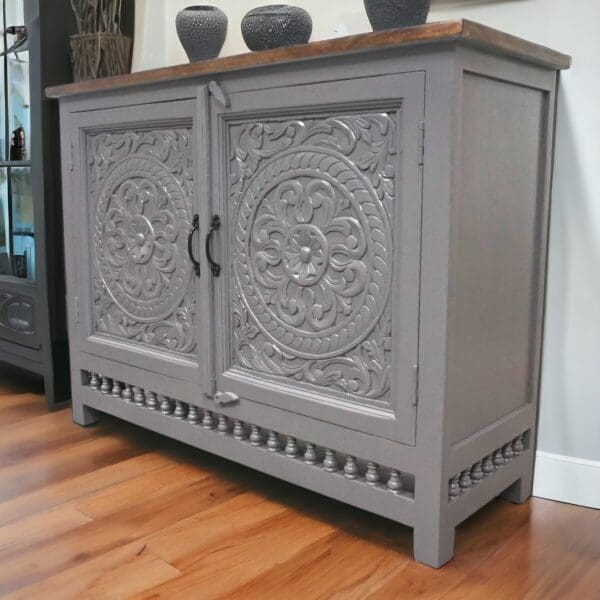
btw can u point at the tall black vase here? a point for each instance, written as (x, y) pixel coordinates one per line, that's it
(202, 31)
(388, 14)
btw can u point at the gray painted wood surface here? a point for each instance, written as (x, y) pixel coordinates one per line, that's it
(374, 333)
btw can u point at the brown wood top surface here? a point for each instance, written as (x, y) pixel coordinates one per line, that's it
(463, 30)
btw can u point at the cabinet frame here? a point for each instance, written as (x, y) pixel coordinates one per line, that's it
(403, 95)
(149, 117)
(442, 475)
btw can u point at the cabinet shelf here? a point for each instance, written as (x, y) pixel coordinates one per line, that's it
(13, 281)
(15, 163)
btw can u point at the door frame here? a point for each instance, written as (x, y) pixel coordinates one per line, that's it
(405, 93)
(191, 113)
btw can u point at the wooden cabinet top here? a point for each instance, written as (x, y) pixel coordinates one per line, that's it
(463, 31)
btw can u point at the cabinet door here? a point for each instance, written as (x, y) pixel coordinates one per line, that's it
(319, 195)
(138, 186)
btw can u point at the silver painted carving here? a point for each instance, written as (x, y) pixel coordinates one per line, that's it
(17, 312)
(141, 185)
(312, 240)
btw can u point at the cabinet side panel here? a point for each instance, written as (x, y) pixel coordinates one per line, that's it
(495, 266)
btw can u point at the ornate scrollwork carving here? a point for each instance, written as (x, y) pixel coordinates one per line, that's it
(312, 262)
(141, 184)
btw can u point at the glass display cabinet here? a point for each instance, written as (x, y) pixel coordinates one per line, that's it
(35, 54)
(17, 235)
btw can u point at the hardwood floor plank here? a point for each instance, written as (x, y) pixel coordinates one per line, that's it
(40, 527)
(478, 539)
(376, 540)
(80, 486)
(578, 556)
(584, 577)
(221, 566)
(10, 399)
(122, 573)
(62, 463)
(39, 434)
(181, 543)
(339, 566)
(127, 524)
(143, 489)
(523, 571)
(29, 406)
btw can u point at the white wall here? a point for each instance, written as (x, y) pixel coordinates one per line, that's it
(151, 35)
(570, 403)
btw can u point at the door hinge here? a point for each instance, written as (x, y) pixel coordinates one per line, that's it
(219, 94)
(72, 158)
(76, 307)
(421, 143)
(416, 385)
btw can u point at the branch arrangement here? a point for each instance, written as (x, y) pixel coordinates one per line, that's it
(98, 16)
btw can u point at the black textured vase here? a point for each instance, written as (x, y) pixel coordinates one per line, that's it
(202, 31)
(388, 14)
(276, 26)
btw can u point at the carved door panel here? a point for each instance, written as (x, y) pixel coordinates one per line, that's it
(320, 200)
(139, 297)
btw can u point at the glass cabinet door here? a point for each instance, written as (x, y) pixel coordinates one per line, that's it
(23, 236)
(17, 231)
(4, 142)
(5, 241)
(17, 81)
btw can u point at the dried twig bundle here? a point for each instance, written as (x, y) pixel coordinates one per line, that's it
(98, 16)
(99, 49)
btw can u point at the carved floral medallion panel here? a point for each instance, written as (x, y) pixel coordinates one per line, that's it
(141, 186)
(312, 250)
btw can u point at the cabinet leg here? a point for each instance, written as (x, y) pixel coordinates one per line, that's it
(84, 415)
(56, 390)
(519, 491)
(433, 546)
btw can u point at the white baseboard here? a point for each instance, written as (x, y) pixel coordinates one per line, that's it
(567, 479)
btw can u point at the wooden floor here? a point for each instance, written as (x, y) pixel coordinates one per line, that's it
(116, 512)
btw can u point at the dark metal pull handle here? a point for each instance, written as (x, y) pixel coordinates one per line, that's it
(193, 230)
(215, 224)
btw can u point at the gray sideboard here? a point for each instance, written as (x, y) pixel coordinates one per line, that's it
(326, 263)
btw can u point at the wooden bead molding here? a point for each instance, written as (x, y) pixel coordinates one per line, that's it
(461, 483)
(337, 463)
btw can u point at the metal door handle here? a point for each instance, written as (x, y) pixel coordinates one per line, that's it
(215, 224)
(226, 398)
(194, 229)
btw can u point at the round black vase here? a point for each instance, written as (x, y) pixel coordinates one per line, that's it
(388, 14)
(276, 26)
(202, 31)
